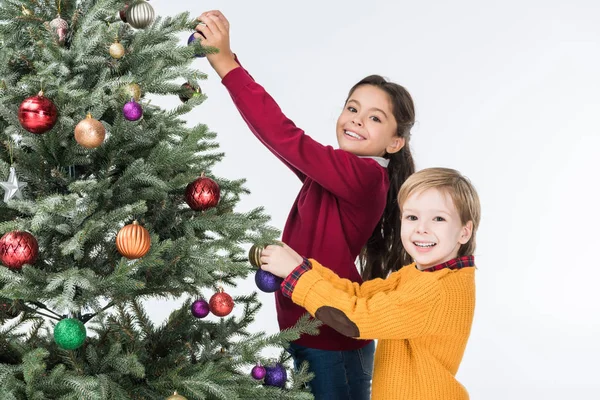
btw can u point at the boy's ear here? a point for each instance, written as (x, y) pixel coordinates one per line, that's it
(396, 145)
(466, 233)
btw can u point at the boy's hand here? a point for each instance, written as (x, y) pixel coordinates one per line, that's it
(280, 260)
(215, 29)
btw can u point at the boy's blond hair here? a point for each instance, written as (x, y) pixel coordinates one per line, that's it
(461, 191)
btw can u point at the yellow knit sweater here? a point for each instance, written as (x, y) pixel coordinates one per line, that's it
(422, 321)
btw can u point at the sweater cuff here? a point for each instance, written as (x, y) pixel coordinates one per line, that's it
(288, 285)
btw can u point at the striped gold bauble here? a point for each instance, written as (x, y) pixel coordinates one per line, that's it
(254, 255)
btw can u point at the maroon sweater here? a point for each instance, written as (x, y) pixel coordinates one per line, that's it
(341, 201)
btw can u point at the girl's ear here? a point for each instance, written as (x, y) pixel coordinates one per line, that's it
(466, 232)
(396, 145)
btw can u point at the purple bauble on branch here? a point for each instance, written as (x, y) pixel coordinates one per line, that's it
(191, 42)
(259, 372)
(276, 376)
(132, 111)
(267, 282)
(200, 308)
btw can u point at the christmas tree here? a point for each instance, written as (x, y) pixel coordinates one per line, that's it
(110, 201)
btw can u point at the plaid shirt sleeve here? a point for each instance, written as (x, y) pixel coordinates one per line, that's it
(289, 283)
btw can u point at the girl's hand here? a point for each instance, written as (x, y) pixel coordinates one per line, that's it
(215, 29)
(280, 260)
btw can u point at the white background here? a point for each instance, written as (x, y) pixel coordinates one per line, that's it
(506, 92)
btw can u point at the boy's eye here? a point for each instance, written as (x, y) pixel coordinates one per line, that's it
(376, 119)
(351, 109)
(439, 219)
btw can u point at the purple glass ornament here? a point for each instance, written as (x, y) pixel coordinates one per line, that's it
(276, 375)
(259, 372)
(191, 40)
(132, 111)
(267, 282)
(200, 308)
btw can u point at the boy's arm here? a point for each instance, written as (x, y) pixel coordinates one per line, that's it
(399, 314)
(365, 289)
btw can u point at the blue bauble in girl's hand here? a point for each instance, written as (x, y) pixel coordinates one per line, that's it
(267, 282)
(192, 41)
(276, 376)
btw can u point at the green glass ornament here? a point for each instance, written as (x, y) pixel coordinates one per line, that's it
(69, 333)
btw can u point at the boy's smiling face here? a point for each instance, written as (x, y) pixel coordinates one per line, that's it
(432, 231)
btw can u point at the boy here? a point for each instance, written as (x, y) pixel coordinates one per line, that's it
(421, 314)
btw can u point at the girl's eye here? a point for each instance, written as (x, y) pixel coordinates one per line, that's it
(351, 109)
(410, 218)
(376, 119)
(439, 219)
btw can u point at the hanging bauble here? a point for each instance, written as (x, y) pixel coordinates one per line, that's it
(60, 27)
(25, 11)
(276, 375)
(69, 333)
(18, 248)
(12, 187)
(133, 241)
(116, 50)
(202, 194)
(140, 14)
(176, 396)
(267, 282)
(9, 309)
(200, 308)
(192, 42)
(123, 13)
(37, 114)
(189, 91)
(259, 372)
(221, 304)
(254, 255)
(90, 132)
(132, 111)
(132, 91)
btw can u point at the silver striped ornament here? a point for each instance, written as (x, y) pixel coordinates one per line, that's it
(140, 14)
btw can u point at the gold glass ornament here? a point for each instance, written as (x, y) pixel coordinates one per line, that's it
(116, 50)
(90, 132)
(133, 91)
(176, 396)
(133, 241)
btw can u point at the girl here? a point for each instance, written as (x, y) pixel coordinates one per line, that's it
(347, 202)
(422, 314)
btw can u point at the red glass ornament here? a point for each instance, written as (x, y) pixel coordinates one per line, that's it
(37, 114)
(123, 13)
(202, 194)
(18, 248)
(221, 304)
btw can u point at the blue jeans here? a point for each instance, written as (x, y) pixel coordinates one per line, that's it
(339, 375)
